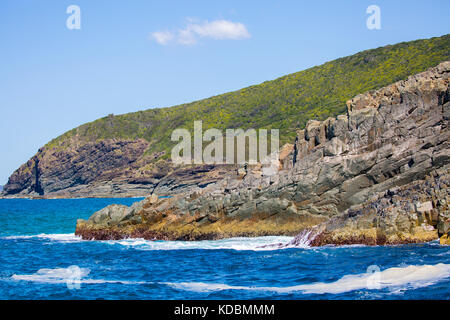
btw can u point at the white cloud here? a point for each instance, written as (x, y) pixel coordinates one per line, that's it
(220, 30)
(186, 36)
(217, 30)
(163, 37)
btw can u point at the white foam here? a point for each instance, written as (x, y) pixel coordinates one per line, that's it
(71, 274)
(253, 244)
(395, 279)
(61, 237)
(392, 278)
(57, 275)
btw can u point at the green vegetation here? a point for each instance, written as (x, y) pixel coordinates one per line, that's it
(286, 103)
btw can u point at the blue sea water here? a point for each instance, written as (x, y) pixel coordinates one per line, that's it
(40, 258)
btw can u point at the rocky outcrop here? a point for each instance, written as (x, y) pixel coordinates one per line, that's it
(112, 167)
(415, 212)
(51, 170)
(390, 138)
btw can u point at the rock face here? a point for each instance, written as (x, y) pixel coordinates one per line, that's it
(415, 212)
(52, 170)
(391, 141)
(107, 168)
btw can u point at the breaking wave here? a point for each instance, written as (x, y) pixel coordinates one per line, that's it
(251, 244)
(70, 275)
(392, 278)
(410, 277)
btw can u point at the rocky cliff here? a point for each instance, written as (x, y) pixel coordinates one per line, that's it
(381, 168)
(415, 212)
(128, 155)
(107, 168)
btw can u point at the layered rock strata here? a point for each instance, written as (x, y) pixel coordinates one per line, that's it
(108, 168)
(413, 213)
(390, 138)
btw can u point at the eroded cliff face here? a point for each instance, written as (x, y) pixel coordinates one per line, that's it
(415, 212)
(52, 170)
(388, 139)
(108, 168)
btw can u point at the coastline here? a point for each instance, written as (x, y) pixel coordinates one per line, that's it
(379, 174)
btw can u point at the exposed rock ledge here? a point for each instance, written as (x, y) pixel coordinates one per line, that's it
(408, 214)
(378, 175)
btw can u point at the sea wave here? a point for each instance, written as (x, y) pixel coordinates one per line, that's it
(394, 279)
(250, 244)
(240, 244)
(69, 275)
(412, 276)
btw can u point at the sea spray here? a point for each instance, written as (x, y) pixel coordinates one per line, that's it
(306, 237)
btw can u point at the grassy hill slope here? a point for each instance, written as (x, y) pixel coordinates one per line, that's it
(286, 103)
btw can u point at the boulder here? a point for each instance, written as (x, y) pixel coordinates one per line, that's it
(111, 215)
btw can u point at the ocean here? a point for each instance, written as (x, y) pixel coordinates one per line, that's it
(41, 258)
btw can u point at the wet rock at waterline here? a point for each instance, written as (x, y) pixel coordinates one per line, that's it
(377, 175)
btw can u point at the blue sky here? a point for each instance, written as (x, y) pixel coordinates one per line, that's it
(53, 79)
